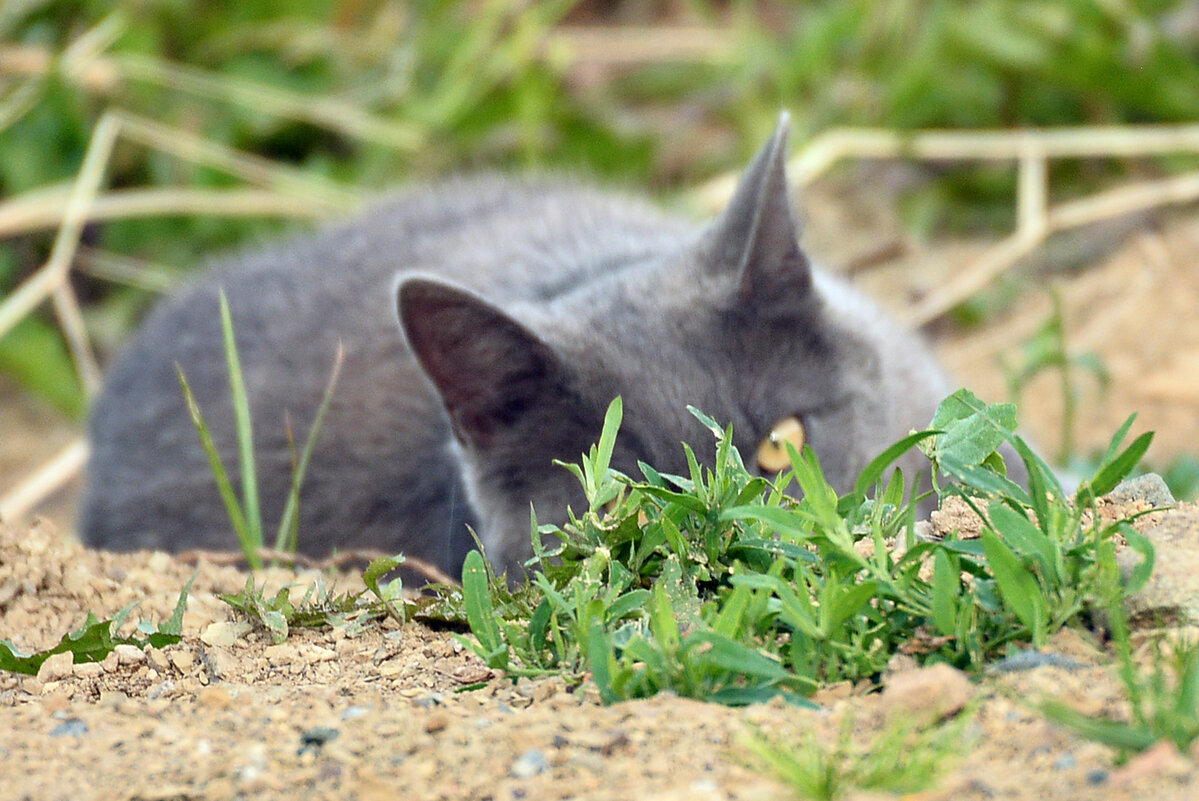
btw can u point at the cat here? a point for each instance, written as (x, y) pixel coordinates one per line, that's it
(524, 307)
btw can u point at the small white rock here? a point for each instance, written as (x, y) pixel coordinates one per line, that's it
(129, 654)
(56, 667)
(224, 633)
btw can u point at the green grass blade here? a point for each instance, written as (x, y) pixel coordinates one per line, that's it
(1019, 588)
(1115, 733)
(1114, 472)
(874, 471)
(245, 429)
(288, 524)
(224, 486)
(607, 441)
(946, 585)
(476, 593)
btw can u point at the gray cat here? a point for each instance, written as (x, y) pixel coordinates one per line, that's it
(524, 308)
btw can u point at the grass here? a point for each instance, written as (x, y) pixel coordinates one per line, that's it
(245, 517)
(720, 585)
(1163, 698)
(900, 759)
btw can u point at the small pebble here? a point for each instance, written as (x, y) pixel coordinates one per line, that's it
(71, 727)
(1031, 659)
(1096, 777)
(87, 669)
(429, 700)
(56, 667)
(1150, 488)
(129, 654)
(315, 739)
(529, 764)
(354, 712)
(224, 633)
(1066, 761)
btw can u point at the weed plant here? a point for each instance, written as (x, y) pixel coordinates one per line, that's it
(245, 516)
(901, 758)
(720, 585)
(1163, 699)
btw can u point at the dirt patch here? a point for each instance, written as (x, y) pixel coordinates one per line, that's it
(377, 713)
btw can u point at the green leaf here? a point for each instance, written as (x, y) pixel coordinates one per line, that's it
(1111, 474)
(600, 659)
(662, 620)
(289, 522)
(970, 429)
(727, 654)
(607, 441)
(476, 594)
(224, 485)
(946, 585)
(874, 471)
(173, 626)
(1022, 536)
(1017, 587)
(839, 601)
(375, 571)
(1142, 545)
(1115, 733)
(245, 429)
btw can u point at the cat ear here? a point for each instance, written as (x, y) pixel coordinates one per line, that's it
(487, 367)
(756, 237)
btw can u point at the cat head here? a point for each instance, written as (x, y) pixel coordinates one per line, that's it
(733, 321)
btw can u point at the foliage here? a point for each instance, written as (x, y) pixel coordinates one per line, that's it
(378, 92)
(719, 585)
(96, 639)
(318, 607)
(244, 513)
(900, 759)
(1164, 701)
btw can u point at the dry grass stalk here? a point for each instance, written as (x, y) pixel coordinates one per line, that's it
(1140, 196)
(122, 269)
(64, 466)
(79, 343)
(632, 46)
(43, 209)
(50, 280)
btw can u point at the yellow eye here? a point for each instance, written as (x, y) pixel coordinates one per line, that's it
(772, 452)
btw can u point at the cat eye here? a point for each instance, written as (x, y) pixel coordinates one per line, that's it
(772, 452)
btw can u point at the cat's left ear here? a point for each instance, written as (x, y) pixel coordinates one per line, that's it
(487, 367)
(757, 236)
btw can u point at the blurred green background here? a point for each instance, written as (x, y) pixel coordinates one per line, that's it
(658, 95)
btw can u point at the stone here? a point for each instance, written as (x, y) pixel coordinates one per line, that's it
(529, 764)
(129, 654)
(1150, 488)
(224, 633)
(925, 695)
(1171, 595)
(56, 667)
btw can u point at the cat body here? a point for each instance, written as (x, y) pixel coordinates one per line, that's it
(524, 307)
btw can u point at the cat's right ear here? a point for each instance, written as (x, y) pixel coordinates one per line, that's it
(756, 238)
(487, 368)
